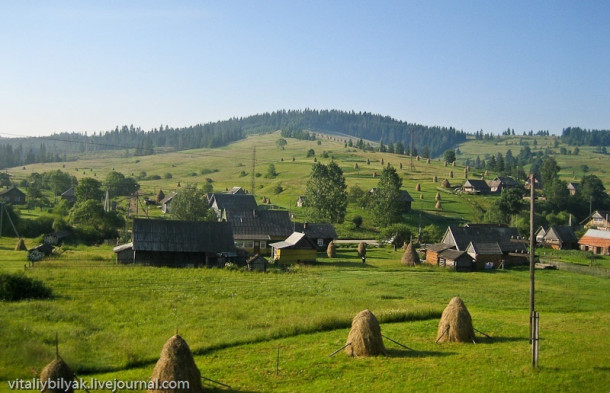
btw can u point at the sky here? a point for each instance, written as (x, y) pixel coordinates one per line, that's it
(87, 66)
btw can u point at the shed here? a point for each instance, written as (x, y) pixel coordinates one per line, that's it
(472, 186)
(257, 263)
(178, 243)
(301, 201)
(485, 253)
(561, 237)
(167, 202)
(296, 248)
(458, 260)
(433, 251)
(404, 197)
(573, 188)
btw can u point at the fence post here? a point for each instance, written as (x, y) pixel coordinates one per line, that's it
(536, 337)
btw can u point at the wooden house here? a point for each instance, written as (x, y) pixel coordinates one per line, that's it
(257, 263)
(573, 188)
(486, 238)
(472, 186)
(560, 237)
(226, 204)
(501, 183)
(178, 243)
(597, 220)
(540, 233)
(237, 190)
(596, 241)
(253, 230)
(433, 251)
(12, 195)
(459, 261)
(485, 254)
(297, 248)
(69, 195)
(166, 203)
(319, 234)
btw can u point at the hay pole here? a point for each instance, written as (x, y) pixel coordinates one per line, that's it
(337, 351)
(445, 332)
(477, 330)
(396, 342)
(211, 380)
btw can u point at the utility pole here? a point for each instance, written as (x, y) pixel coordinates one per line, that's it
(532, 252)
(411, 151)
(252, 177)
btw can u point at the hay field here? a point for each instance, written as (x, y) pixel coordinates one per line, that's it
(113, 321)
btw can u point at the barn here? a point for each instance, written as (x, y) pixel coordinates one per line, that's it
(178, 243)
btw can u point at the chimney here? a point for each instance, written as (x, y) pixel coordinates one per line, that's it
(305, 226)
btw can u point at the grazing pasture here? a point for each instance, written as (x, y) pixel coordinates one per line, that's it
(113, 320)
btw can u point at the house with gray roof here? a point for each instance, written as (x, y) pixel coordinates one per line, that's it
(178, 243)
(319, 234)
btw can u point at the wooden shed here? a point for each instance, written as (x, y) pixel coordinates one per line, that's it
(296, 248)
(459, 261)
(178, 243)
(433, 251)
(257, 263)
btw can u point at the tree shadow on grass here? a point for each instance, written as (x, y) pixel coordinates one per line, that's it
(497, 340)
(346, 264)
(404, 353)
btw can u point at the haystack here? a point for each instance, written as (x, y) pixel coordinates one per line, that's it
(362, 249)
(21, 245)
(456, 323)
(437, 197)
(177, 364)
(331, 250)
(418, 187)
(435, 179)
(438, 205)
(410, 257)
(451, 174)
(446, 184)
(55, 371)
(365, 336)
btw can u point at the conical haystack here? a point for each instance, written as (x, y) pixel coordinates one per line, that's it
(331, 250)
(410, 257)
(58, 372)
(365, 336)
(446, 184)
(456, 323)
(362, 249)
(437, 197)
(438, 205)
(177, 364)
(21, 245)
(418, 187)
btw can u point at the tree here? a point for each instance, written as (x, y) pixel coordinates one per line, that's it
(118, 184)
(311, 153)
(190, 204)
(89, 216)
(385, 201)
(281, 143)
(271, 172)
(357, 221)
(88, 188)
(549, 170)
(326, 196)
(400, 148)
(449, 156)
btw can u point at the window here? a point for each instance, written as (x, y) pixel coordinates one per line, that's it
(263, 244)
(320, 242)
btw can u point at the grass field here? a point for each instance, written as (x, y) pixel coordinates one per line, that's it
(113, 320)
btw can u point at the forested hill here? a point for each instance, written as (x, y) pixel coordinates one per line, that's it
(363, 125)
(576, 136)
(368, 126)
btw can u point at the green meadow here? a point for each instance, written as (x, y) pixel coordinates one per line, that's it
(112, 321)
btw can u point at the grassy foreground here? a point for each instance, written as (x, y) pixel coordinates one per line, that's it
(113, 320)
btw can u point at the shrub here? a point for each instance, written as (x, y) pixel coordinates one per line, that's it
(278, 189)
(168, 176)
(357, 221)
(15, 287)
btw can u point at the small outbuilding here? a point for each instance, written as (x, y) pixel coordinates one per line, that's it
(296, 248)
(596, 241)
(257, 263)
(12, 195)
(459, 261)
(320, 234)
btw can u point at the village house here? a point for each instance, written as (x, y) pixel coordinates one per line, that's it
(178, 243)
(495, 243)
(573, 188)
(224, 204)
(459, 261)
(560, 237)
(319, 234)
(301, 201)
(597, 220)
(502, 183)
(166, 203)
(297, 248)
(253, 230)
(476, 187)
(540, 233)
(12, 195)
(596, 241)
(69, 195)
(433, 251)
(237, 190)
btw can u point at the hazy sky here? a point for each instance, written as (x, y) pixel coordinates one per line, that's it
(91, 65)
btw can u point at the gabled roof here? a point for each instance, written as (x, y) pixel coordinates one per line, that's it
(182, 236)
(563, 233)
(596, 214)
(296, 240)
(476, 184)
(168, 198)
(453, 254)
(11, 189)
(506, 237)
(596, 237)
(237, 190)
(573, 186)
(233, 202)
(316, 231)
(439, 247)
(260, 224)
(491, 248)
